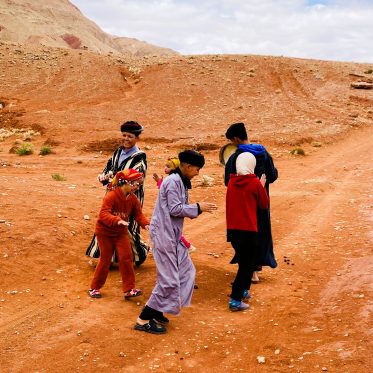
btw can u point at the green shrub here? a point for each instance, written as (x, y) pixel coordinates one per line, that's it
(25, 149)
(58, 177)
(298, 151)
(45, 150)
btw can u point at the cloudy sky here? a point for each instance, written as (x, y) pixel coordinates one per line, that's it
(326, 29)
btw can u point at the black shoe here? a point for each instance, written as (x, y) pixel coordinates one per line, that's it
(161, 319)
(151, 327)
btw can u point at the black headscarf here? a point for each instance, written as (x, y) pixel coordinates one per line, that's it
(192, 157)
(132, 127)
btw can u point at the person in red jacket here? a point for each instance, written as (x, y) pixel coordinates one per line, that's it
(112, 233)
(245, 193)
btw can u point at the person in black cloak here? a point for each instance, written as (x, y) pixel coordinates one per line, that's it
(237, 134)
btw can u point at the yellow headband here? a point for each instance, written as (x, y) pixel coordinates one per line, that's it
(173, 163)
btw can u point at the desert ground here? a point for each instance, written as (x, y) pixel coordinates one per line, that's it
(313, 313)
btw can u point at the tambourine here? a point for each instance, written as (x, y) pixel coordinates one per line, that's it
(225, 152)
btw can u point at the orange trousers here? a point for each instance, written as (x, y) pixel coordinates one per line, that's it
(107, 245)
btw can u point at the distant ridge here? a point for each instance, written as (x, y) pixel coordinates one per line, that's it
(59, 23)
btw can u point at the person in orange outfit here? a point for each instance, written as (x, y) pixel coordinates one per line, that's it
(112, 233)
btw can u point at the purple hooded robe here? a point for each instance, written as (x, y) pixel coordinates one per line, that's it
(175, 270)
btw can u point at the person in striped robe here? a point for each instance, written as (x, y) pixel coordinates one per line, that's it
(126, 156)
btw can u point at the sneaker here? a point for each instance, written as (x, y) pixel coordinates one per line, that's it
(94, 293)
(132, 293)
(246, 294)
(161, 319)
(150, 327)
(237, 305)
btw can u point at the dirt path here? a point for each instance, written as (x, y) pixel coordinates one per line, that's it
(311, 315)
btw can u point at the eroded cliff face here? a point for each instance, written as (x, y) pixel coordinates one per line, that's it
(188, 100)
(59, 23)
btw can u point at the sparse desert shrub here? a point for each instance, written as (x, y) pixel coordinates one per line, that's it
(25, 149)
(45, 150)
(298, 151)
(370, 71)
(79, 161)
(58, 177)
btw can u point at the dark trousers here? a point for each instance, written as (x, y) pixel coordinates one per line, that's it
(149, 313)
(245, 245)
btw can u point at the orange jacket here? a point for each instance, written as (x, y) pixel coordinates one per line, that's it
(116, 206)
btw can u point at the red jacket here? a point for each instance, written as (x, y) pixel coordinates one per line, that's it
(245, 194)
(116, 206)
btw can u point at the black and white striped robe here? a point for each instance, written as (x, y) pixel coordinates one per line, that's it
(140, 249)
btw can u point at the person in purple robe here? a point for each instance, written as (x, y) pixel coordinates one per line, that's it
(175, 269)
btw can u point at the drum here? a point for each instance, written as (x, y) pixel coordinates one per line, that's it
(225, 152)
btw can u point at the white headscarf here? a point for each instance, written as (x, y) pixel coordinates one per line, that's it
(245, 163)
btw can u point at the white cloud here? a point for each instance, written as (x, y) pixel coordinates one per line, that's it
(329, 30)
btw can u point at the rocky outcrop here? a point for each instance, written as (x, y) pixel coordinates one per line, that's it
(362, 85)
(59, 23)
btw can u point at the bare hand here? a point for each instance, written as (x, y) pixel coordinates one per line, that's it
(263, 179)
(147, 227)
(122, 222)
(156, 177)
(104, 177)
(207, 206)
(101, 178)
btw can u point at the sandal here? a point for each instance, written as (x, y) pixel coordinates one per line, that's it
(132, 293)
(150, 327)
(94, 293)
